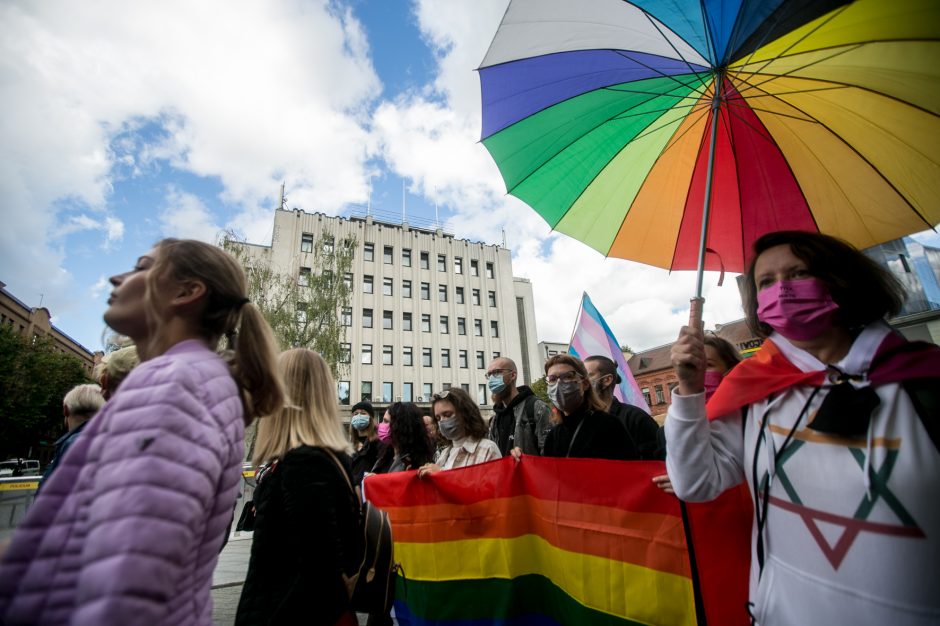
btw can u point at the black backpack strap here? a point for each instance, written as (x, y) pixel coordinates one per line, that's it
(925, 397)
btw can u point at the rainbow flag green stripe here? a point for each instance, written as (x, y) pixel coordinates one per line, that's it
(494, 601)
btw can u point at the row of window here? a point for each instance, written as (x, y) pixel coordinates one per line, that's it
(660, 396)
(407, 392)
(388, 256)
(388, 289)
(407, 356)
(388, 323)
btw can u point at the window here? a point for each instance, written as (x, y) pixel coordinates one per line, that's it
(659, 394)
(495, 355)
(387, 253)
(481, 394)
(301, 315)
(425, 322)
(348, 280)
(366, 284)
(461, 326)
(406, 289)
(388, 390)
(406, 321)
(426, 357)
(480, 364)
(366, 354)
(458, 295)
(462, 359)
(445, 357)
(490, 296)
(475, 297)
(442, 293)
(387, 320)
(387, 355)
(474, 267)
(425, 291)
(328, 242)
(407, 392)
(345, 352)
(368, 251)
(387, 289)
(367, 318)
(328, 278)
(445, 325)
(425, 261)
(406, 257)
(346, 316)
(458, 265)
(407, 357)
(442, 263)
(306, 242)
(365, 390)
(342, 391)
(494, 329)
(465, 387)
(477, 328)
(303, 279)
(489, 270)
(427, 390)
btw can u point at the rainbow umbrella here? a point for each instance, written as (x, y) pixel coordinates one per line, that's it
(657, 130)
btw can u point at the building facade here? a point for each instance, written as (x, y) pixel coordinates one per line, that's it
(427, 312)
(36, 322)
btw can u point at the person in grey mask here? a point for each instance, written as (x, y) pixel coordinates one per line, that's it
(460, 422)
(586, 430)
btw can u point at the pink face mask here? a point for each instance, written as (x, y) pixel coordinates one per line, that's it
(797, 309)
(712, 380)
(385, 432)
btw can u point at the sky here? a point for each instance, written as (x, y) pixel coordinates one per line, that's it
(127, 122)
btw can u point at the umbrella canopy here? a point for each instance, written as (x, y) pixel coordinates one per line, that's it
(602, 115)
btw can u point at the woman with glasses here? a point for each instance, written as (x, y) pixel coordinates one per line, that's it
(403, 428)
(585, 429)
(459, 421)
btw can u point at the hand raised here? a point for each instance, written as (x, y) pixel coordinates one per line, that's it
(688, 359)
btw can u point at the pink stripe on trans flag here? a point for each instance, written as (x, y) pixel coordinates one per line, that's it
(593, 337)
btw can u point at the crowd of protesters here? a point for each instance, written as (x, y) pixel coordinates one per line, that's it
(128, 527)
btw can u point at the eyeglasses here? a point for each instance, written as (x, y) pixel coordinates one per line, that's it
(565, 377)
(498, 372)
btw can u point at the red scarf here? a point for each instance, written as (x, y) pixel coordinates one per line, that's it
(769, 371)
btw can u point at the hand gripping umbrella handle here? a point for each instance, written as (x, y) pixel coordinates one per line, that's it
(695, 312)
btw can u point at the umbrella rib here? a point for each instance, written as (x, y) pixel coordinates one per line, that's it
(625, 54)
(859, 154)
(770, 77)
(653, 93)
(666, 39)
(569, 144)
(834, 15)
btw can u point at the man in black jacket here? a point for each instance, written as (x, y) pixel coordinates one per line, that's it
(521, 420)
(642, 428)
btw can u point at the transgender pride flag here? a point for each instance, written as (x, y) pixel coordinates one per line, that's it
(593, 337)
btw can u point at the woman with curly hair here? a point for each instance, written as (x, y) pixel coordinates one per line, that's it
(460, 422)
(403, 428)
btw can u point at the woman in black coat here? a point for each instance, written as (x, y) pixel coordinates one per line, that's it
(363, 431)
(306, 538)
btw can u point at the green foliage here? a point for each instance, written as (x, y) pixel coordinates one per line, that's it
(626, 348)
(303, 309)
(540, 388)
(34, 377)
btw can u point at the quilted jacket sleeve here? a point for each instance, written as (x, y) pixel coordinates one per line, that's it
(158, 475)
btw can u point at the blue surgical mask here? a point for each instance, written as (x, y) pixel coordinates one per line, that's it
(496, 384)
(360, 421)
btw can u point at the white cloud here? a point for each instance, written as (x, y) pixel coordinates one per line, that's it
(186, 217)
(246, 92)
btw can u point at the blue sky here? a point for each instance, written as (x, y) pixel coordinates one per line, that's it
(128, 122)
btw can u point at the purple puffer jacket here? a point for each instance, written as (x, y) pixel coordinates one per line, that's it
(129, 527)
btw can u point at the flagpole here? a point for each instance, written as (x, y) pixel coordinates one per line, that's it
(695, 313)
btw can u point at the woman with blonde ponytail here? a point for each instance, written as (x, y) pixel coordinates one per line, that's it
(129, 527)
(307, 531)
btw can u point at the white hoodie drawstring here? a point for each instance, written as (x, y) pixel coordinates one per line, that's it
(868, 453)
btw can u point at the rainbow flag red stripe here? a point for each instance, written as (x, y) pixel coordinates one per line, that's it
(541, 541)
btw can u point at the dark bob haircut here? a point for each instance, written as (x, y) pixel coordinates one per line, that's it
(864, 291)
(466, 411)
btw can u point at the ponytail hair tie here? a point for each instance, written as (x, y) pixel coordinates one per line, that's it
(241, 303)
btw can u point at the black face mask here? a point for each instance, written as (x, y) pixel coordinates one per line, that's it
(846, 411)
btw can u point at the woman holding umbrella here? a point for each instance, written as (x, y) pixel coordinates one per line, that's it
(831, 425)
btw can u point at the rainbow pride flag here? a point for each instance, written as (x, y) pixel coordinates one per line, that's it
(547, 541)
(593, 337)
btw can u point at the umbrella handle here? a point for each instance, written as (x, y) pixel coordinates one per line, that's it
(695, 312)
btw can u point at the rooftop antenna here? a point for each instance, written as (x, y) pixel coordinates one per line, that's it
(41, 296)
(437, 220)
(504, 237)
(369, 206)
(403, 220)
(282, 200)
